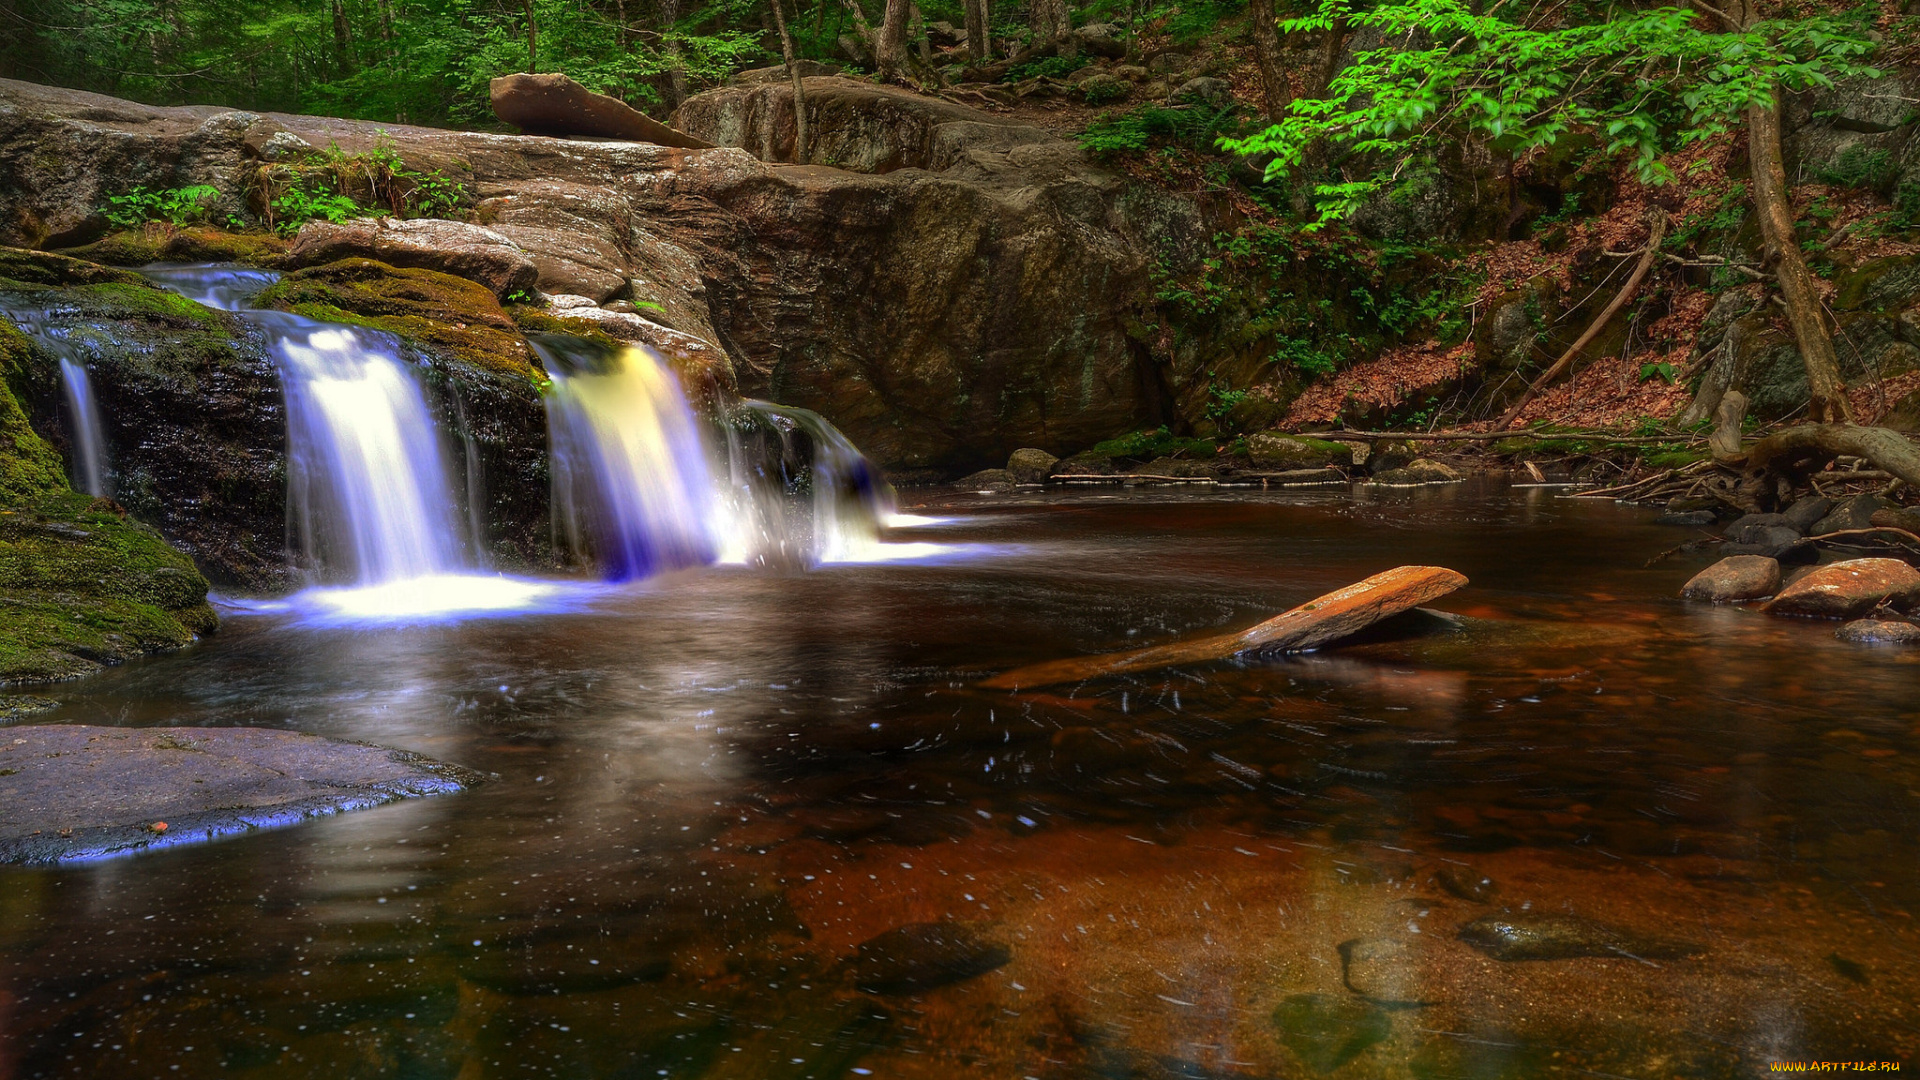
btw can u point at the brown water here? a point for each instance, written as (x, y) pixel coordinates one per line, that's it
(714, 787)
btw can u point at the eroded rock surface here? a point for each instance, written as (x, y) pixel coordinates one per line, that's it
(941, 319)
(75, 792)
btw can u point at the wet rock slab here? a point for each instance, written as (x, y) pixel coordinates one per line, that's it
(75, 793)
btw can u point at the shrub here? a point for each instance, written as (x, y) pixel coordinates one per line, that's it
(176, 206)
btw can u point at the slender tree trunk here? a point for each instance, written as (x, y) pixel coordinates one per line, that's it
(799, 84)
(917, 30)
(1276, 93)
(620, 19)
(890, 51)
(1331, 48)
(676, 71)
(342, 40)
(979, 48)
(1774, 205)
(533, 41)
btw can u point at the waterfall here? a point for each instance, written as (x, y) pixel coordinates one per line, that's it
(83, 411)
(223, 288)
(631, 481)
(89, 444)
(776, 453)
(368, 487)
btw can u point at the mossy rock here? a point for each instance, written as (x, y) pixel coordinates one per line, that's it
(424, 306)
(44, 269)
(29, 468)
(1273, 451)
(164, 243)
(532, 320)
(85, 585)
(1878, 284)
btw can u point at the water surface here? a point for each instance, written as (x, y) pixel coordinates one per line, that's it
(714, 785)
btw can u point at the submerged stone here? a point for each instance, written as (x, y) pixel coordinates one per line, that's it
(1465, 883)
(76, 792)
(922, 956)
(1327, 1032)
(1879, 632)
(1533, 936)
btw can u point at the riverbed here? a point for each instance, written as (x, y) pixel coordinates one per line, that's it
(713, 786)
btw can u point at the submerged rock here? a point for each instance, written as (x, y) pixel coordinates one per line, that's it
(1848, 590)
(986, 480)
(1466, 884)
(921, 956)
(1327, 1032)
(1879, 632)
(75, 792)
(1738, 577)
(1530, 936)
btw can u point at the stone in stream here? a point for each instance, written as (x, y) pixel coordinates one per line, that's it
(1530, 936)
(1030, 466)
(1849, 514)
(922, 956)
(1272, 451)
(1327, 1032)
(1897, 517)
(986, 480)
(1419, 471)
(1879, 632)
(1465, 883)
(1329, 618)
(76, 792)
(1738, 577)
(1685, 517)
(1805, 513)
(1848, 590)
(553, 104)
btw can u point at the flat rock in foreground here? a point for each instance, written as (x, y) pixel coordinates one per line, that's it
(74, 793)
(1327, 619)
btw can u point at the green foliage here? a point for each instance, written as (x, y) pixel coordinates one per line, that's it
(1052, 67)
(1221, 401)
(1191, 127)
(1861, 167)
(1649, 372)
(1147, 445)
(1722, 220)
(1646, 81)
(176, 206)
(337, 186)
(1103, 91)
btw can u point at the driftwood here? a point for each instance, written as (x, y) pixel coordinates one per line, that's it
(1799, 452)
(1334, 616)
(1657, 232)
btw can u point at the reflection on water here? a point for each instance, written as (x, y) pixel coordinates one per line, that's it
(713, 788)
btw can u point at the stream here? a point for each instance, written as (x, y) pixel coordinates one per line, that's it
(713, 785)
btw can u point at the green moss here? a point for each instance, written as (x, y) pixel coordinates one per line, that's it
(164, 243)
(534, 321)
(47, 270)
(423, 306)
(29, 468)
(86, 585)
(1155, 444)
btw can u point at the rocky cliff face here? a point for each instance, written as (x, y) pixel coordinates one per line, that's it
(941, 318)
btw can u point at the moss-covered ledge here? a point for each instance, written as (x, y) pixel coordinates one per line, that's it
(81, 584)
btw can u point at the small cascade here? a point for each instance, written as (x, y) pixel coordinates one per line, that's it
(223, 288)
(368, 487)
(777, 453)
(90, 473)
(89, 443)
(631, 482)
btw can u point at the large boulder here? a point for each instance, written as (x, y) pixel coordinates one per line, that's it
(1740, 577)
(450, 247)
(553, 104)
(941, 321)
(1848, 590)
(1030, 466)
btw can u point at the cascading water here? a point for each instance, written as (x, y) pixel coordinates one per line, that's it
(367, 482)
(223, 288)
(630, 477)
(805, 455)
(83, 410)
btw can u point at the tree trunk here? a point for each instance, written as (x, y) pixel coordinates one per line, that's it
(890, 50)
(1773, 203)
(533, 41)
(1331, 49)
(979, 47)
(1276, 93)
(342, 40)
(799, 87)
(1799, 452)
(918, 31)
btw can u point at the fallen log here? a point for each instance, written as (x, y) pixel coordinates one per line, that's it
(1798, 453)
(1329, 618)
